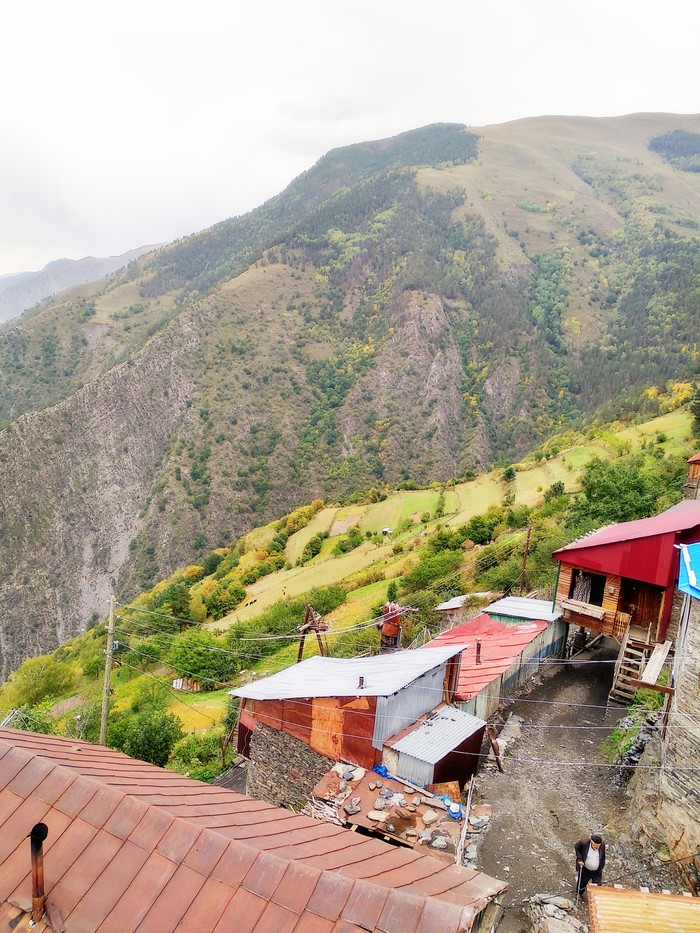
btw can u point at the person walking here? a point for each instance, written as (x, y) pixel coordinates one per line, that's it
(590, 861)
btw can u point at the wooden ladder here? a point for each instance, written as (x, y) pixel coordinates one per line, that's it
(631, 661)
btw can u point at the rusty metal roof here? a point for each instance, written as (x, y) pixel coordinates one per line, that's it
(134, 846)
(383, 675)
(612, 910)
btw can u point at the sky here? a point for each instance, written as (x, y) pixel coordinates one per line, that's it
(136, 122)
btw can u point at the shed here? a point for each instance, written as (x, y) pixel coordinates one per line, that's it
(444, 745)
(499, 656)
(626, 573)
(346, 708)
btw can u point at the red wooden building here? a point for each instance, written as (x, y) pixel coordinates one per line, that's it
(625, 575)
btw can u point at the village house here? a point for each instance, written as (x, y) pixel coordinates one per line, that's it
(621, 581)
(122, 845)
(626, 574)
(297, 723)
(506, 644)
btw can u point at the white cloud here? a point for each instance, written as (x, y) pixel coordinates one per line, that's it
(133, 122)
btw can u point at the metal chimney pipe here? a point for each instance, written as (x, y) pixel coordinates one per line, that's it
(361, 684)
(478, 651)
(39, 832)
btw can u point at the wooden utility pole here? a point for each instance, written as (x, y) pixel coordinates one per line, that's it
(108, 672)
(527, 548)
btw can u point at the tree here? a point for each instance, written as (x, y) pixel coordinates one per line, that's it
(149, 736)
(695, 411)
(200, 656)
(616, 491)
(38, 679)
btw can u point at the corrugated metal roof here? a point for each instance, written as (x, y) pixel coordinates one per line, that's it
(500, 645)
(680, 517)
(458, 601)
(455, 603)
(134, 846)
(614, 911)
(440, 733)
(383, 675)
(519, 607)
(694, 459)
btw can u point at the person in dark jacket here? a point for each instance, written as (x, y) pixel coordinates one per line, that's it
(590, 861)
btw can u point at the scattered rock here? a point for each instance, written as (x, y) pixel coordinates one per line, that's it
(378, 816)
(386, 792)
(470, 852)
(379, 784)
(343, 785)
(430, 816)
(439, 843)
(372, 785)
(416, 801)
(349, 774)
(407, 790)
(351, 810)
(390, 828)
(425, 839)
(380, 803)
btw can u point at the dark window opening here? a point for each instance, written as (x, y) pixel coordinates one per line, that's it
(587, 587)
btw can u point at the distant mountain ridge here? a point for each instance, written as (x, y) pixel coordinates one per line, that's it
(407, 310)
(22, 290)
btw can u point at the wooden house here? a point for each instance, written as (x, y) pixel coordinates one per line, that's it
(625, 575)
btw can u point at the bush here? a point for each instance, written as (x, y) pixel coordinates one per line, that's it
(148, 736)
(198, 756)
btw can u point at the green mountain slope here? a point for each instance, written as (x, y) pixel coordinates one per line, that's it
(407, 310)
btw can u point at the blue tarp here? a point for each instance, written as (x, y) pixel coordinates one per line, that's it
(689, 576)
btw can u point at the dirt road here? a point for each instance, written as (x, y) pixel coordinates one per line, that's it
(554, 791)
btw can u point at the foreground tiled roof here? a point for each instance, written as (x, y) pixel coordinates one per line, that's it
(135, 847)
(500, 646)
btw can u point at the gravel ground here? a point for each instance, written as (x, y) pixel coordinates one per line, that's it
(542, 806)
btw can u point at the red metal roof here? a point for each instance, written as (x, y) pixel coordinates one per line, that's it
(132, 846)
(695, 458)
(500, 645)
(640, 550)
(681, 517)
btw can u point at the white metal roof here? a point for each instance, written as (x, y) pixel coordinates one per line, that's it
(520, 607)
(455, 603)
(383, 675)
(443, 731)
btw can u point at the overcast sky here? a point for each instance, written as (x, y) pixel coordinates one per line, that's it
(138, 121)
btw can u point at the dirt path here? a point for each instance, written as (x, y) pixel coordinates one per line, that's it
(541, 807)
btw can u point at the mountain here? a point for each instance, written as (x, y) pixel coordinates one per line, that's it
(411, 309)
(23, 290)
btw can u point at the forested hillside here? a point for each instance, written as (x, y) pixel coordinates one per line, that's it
(408, 310)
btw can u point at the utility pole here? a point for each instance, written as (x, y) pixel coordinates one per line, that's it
(108, 672)
(527, 548)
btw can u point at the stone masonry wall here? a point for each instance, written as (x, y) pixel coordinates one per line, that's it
(282, 769)
(671, 813)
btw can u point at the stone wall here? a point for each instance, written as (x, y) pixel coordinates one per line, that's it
(669, 809)
(283, 770)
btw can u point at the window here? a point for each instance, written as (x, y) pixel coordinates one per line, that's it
(587, 587)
